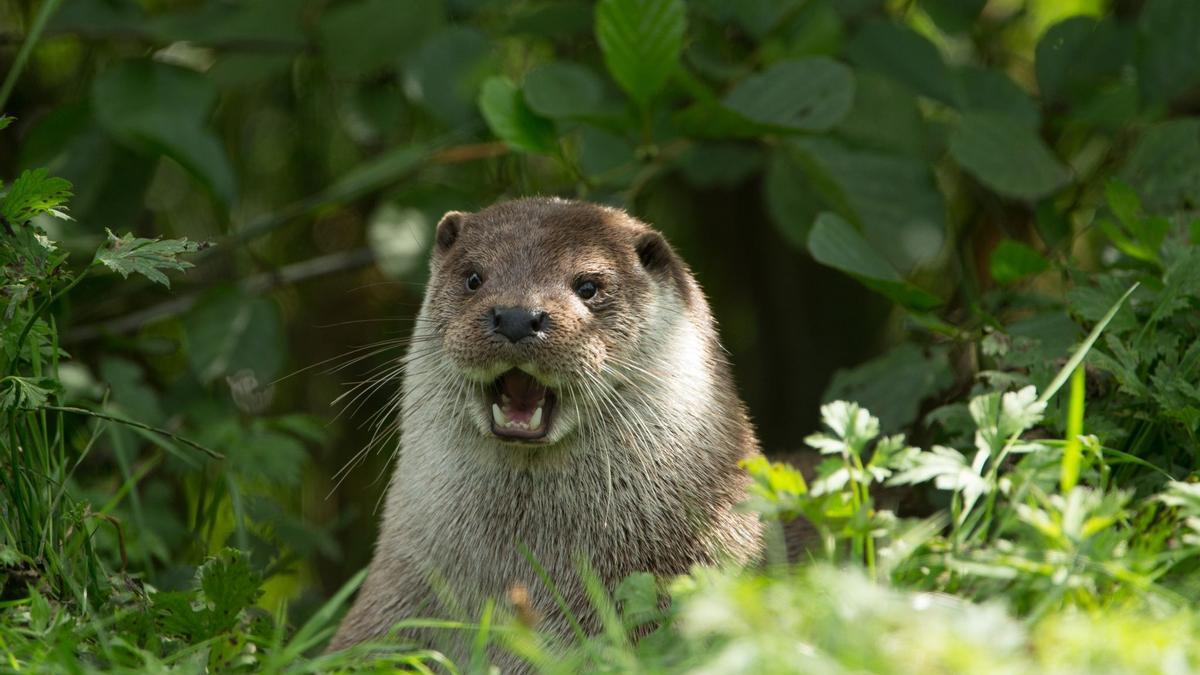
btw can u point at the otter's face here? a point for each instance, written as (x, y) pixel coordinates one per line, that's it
(538, 303)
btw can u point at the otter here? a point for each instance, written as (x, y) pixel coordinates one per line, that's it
(565, 400)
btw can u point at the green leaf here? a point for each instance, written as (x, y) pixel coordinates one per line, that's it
(1081, 352)
(836, 243)
(228, 332)
(229, 585)
(1169, 54)
(885, 116)
(893, 199)
(1076, 56)
(1012, 261)
(905, 56)
(1007, 156)
(362, 38)
(511, 119)
(810, 94)
(1164, 166)
(793, 202)
(638, 598)
(129, 254)
(892, 386)
(6, 120)
(34, 192)
(162, 109)
(1146, 234)
(563, 90)
(986, 90)
(446, 72)
(27, 393)
(641, 41)
(953, 16)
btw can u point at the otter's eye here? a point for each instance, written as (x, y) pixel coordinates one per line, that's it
(586, 289)
(474, 281)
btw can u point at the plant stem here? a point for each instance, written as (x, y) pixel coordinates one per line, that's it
(35, 31)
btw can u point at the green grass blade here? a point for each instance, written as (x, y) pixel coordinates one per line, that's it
(1081, 353)
(1073, 452)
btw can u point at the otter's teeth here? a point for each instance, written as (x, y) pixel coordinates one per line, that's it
(535, 422)
(497, 416)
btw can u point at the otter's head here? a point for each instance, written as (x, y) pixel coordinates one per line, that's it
(541, 304)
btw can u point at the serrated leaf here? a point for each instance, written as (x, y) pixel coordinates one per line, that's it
(836, 243)
(812, 94)
(129, 255)
(1164, 166)
(229, 585)
(1012, 261)
(892, 386)
(638, 598)
(26, 393)
(562, 90)
(905, 56)
(642, 41)
(512, 121)
(1007, 156)
(33, 193)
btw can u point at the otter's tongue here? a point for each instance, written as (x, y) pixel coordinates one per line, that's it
(521, 395)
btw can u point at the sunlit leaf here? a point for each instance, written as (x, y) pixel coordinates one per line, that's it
(642, 41)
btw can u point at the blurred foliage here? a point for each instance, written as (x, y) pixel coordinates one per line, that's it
(912, 204)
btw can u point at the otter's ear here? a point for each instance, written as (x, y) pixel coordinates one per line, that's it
(448, 229)
(654, 252)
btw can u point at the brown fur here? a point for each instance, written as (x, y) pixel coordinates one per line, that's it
(639, 469)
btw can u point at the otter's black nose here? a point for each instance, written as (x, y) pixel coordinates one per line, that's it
(515, 323)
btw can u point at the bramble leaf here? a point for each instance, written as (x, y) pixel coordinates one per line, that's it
(33, 193)
(129, 254)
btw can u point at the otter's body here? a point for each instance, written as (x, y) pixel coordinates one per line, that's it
(564, 396)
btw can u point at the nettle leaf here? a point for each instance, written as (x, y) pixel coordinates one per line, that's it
(129, 254)
(1012, 261)
(812, 94)
(835, 242)
(642, 41)
(27, 393)
(563, 90)
(511, 119)
(33, 193)
(1007, 156)
(229, 585)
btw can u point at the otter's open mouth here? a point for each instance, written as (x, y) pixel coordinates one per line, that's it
(522, 407)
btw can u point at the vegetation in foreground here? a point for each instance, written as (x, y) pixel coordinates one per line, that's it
(1046, 371)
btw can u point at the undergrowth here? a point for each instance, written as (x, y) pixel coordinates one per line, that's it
(1051, 516)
